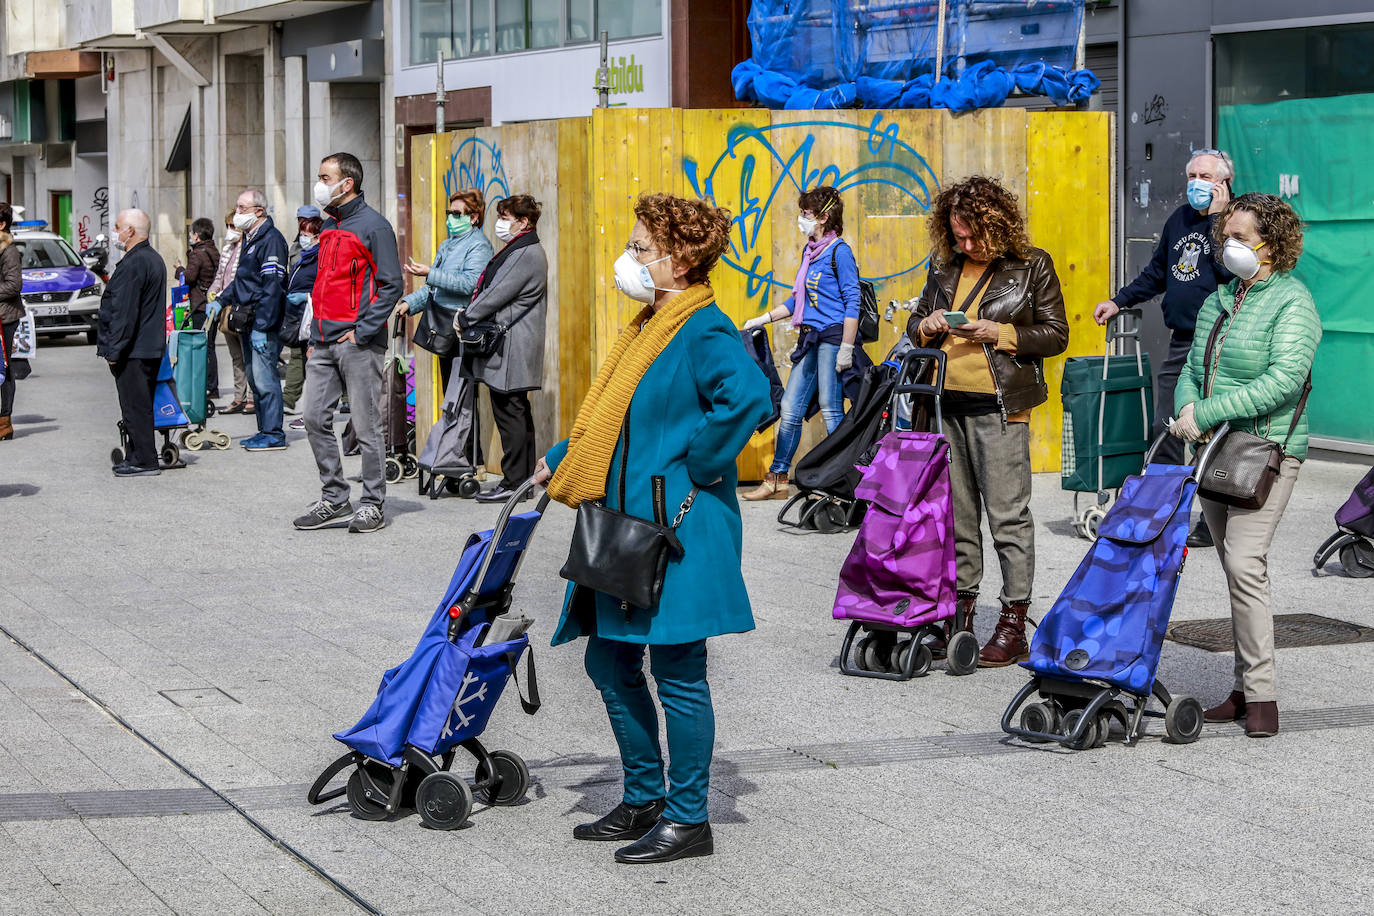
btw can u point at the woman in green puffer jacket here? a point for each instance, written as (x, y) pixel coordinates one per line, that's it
(1267, 330)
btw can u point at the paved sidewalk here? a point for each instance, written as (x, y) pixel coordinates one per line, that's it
(829, 794)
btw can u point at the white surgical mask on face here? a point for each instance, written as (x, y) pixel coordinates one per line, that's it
(503, 229)
(807, 225)
(633, 278)
(119, 241)
(325, 194)
(1240, 259)
(242, 221)
(232, 235)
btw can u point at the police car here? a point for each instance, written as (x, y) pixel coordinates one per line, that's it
(60, 292)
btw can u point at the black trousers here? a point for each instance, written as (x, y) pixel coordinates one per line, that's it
(211, 363)
(515, 423)
(1171, 451)
(7, 387)
(135, 381)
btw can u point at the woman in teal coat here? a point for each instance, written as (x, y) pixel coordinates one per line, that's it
(688, 396)
(1263, 331)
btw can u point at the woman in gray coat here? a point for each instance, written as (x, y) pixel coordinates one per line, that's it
(513, 294)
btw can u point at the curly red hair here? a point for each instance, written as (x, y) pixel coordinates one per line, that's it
(991, 212)
(695, 233)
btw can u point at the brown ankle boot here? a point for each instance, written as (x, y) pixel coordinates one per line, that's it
(1008, 643)
(1230, 709)
(774, 486)
(962, 620)
(1261, 720)
(6, 429)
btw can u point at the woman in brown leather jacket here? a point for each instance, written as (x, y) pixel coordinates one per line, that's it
(982, 264)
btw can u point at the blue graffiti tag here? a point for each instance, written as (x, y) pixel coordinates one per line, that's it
(477, 164)
(890, 162)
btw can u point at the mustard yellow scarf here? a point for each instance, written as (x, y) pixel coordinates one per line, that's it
(584, 470)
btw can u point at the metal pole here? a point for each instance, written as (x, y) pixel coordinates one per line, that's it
(440, 96)
(940, 39)
(603, 75)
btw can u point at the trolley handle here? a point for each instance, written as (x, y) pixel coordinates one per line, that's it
(915, 364)
(498, 530)
(1203, 454)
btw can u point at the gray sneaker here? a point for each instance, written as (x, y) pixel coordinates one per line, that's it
(324, 514)
(369, 517)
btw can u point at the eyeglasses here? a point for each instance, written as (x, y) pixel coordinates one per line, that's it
(637, 251)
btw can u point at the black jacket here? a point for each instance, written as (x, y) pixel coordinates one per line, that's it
(133, 308)
(1023, 292)
(260, 281)
(1186, 268)
(201, 263)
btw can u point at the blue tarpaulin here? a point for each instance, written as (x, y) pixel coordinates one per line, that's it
(819, 54)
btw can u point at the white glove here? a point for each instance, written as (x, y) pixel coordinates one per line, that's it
(1185, 427)
(845, 358)
(760, 321)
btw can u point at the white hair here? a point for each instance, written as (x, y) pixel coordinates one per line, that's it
(1225, 171)
(136, 220)
(256, 196)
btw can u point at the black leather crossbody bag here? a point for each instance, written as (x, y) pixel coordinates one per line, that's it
(1243, 470)
(620, 554)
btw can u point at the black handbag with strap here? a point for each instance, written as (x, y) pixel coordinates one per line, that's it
(620, 554)
(1245, 466)
(435, 331)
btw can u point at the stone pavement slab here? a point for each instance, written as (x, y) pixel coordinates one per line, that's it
(829, 793)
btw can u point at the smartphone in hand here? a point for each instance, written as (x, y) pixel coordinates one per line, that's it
(954, 319)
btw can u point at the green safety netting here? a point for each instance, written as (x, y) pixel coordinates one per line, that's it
(1315, 153)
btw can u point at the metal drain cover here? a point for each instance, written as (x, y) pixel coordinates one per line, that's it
(1291, 631)
(198, 696)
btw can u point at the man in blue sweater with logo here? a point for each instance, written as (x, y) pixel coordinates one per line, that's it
(256, 300)
(1186, 268)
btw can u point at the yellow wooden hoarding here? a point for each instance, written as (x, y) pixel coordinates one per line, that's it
(889, 165)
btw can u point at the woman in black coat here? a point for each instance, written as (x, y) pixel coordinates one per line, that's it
(11, 312)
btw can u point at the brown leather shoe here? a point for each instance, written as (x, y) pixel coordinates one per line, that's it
(962, 620)
(1008, 644)
(1230, 709)
(1261, 720)
(774, 486)
(6, 429)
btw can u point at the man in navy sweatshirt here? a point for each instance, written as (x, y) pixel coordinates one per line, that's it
(1186, 268)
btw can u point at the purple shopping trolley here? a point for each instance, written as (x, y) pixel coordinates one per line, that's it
(897, 586)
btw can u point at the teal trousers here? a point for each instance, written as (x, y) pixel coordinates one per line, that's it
(617, 670)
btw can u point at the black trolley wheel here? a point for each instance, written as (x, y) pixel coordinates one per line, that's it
(367, 795)
(116, 456)
(169, 456)
(962, 653)
(1038, 717)
(1089, 737)
(443, 800)
(469, 487)
(395, 471)
(1357, 559)
(512, 779)
(1183, 720)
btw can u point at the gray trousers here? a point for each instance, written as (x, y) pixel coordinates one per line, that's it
(990, 471)
(1171, 450)
(333, 369)
(1243, 537)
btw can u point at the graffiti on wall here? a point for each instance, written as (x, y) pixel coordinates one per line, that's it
(777, 162)
(100, 206)
(477, 164)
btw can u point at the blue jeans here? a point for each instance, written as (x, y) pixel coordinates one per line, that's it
(816, 366)
(617, 670)
(265, 381)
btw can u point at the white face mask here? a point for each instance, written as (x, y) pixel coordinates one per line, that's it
(307, 241)
(807, 225)
(232, 235)
(243, 221)
(1240, 259)
(118, 242)
(503, 229)
(633, 278)
(324, 194)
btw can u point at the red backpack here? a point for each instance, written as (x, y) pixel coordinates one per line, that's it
(346, 270)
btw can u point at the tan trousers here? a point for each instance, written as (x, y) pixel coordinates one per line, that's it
(1243, 537)
(235, 345)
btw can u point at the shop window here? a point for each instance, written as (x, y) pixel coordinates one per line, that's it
(629, 18)
(1257, 67)
(582, 20)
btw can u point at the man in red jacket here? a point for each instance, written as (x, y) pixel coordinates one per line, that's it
(357, 285)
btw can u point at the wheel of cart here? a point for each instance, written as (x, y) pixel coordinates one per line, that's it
(1108, 412)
